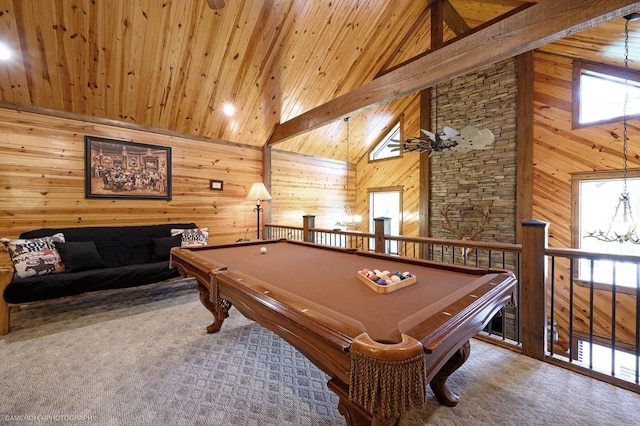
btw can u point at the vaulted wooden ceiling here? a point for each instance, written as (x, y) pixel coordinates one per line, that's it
(173, 64)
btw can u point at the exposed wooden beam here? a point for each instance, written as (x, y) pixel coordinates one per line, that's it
(453, 19)
(536, 26)
(524, 142)
(437, 40)
(439, 11)
(458, 37)
(425, 166)
(437, 25)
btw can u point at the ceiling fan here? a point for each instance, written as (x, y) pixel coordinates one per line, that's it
(215, 4)
(465, 140)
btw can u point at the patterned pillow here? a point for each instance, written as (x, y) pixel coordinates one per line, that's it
(35, 257)
(192, 237)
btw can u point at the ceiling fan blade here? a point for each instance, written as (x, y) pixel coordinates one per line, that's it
(429, 134)
(448, 131)
(215, 4)
(469, 131)
(487, 135)
(471, 139)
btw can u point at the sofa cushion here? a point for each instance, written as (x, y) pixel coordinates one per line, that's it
(79, 256)
(38, 288)
(192, 237)
(35, 256)
(117, 245)
(161, 247)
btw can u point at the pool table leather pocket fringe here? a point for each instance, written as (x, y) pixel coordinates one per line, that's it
(387, 379)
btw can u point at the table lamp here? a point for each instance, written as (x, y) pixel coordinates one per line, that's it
(259, 193)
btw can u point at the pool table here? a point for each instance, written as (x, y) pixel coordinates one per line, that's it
(379, 349)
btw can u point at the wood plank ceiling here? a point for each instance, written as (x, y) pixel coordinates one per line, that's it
(173, 64)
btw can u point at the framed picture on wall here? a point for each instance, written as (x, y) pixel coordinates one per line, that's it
(122, 169)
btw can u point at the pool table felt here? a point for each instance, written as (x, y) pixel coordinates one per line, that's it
(326, 281)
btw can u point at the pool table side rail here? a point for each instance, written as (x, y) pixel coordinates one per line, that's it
(475, 270)
(200, 269)
(266, 244)
(462, 320)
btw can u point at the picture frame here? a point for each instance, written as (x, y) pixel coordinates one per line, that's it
(126, 170)
(215, 185)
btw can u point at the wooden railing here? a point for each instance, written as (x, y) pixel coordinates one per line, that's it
(538, 325)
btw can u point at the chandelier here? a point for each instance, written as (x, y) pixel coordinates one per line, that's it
(622, 227)
(449, 139)
(348, 219)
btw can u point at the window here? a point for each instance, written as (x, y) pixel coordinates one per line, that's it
(600, 357)
(386, 203)
(382, 150)
(597, 196)
(599, 92)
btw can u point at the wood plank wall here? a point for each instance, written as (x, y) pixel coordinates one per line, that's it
(42, 181)
(559, 151)
(310, 185)
(392, 173)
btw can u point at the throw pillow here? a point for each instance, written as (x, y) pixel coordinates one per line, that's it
(192, 237)
(79, 256)
(33, 257)
(161, 247)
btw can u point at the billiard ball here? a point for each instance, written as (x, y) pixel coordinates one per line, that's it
(263, 250)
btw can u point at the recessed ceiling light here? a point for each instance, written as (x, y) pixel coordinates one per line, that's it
(5, 52)
(229, 109)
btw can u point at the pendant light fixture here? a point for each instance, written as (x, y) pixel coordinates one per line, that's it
(349, 220)
(622, 227)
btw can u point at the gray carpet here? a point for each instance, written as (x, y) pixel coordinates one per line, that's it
(141, 357)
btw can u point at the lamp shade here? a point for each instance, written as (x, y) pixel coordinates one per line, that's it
(258, 192)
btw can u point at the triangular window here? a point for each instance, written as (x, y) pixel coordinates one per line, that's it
(382, 150)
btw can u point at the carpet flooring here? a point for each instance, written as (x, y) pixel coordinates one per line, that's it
(141, 357)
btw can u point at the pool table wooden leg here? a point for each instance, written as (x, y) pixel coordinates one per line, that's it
(354, 414)
(219, 308)
(438, 385)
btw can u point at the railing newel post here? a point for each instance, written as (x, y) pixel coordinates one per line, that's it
(533, 291)
(308, 223)
(382, 227)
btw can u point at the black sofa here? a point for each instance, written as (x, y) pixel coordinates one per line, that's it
(127, 256)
